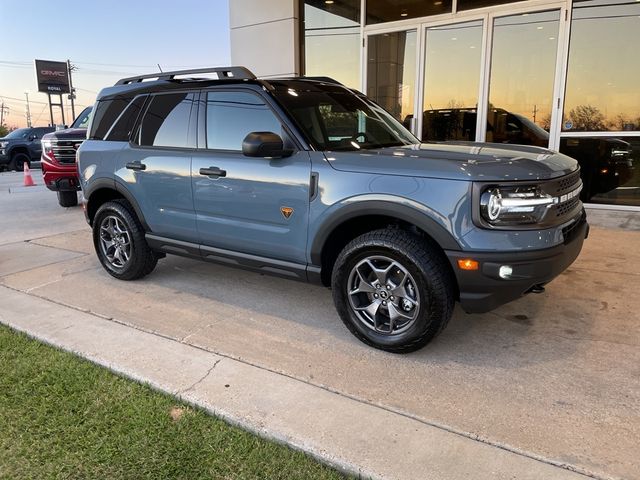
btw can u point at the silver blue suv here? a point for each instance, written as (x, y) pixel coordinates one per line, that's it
(307, 179)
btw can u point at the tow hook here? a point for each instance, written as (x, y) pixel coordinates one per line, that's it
(536, 289)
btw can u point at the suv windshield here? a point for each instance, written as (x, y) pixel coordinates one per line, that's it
(19, 133)
(343, 120)
(82, 121)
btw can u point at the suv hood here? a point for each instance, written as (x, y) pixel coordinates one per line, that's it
(457, 161)
(67, 134)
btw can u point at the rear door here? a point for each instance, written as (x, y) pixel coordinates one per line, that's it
(155, 167)
(257, 206)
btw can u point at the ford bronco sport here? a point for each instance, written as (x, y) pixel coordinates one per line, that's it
(307, 179)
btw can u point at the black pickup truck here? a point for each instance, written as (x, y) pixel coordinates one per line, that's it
(22, 146)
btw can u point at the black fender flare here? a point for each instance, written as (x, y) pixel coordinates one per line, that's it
(402, 211)
(111, 184)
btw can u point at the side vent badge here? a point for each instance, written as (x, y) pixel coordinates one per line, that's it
(286, 211)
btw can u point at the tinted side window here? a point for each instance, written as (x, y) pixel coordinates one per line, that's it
(107, 111)
(233, 115)
(166, 121)
(123, 127)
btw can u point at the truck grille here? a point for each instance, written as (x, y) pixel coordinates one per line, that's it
(65, 150)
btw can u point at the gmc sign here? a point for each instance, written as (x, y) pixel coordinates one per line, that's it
(52, 77)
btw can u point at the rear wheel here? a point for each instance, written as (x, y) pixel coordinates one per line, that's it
(393, 290)
(118, 238)
(67, 199)
(18, 160)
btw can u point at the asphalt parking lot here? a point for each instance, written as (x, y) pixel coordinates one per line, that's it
(555, 376)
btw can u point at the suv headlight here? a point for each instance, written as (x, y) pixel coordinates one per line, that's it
(3, 144)
(519, 205)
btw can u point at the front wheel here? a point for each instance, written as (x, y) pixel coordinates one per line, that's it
(393, 290)
(18, 161)
(118, 238)
(67, 199)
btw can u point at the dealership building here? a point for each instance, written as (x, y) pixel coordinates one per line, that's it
(558, 74)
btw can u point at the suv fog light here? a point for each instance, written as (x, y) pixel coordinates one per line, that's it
(505, 271)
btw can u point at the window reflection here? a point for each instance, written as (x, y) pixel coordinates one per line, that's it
(522, 75)
(166, 121)
(604, 67)
(231, 116)
(379, 11)
(609, 167)
(391, 73)
(332, 40)
(452, 76)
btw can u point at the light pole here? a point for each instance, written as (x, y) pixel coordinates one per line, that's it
(26, 94)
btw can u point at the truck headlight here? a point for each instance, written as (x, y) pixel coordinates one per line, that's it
(519, 205)
(4, 144)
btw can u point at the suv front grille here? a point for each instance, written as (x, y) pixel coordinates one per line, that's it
(563, 188)
(65, 150)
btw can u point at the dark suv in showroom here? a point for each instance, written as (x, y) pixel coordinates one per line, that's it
(307, 179)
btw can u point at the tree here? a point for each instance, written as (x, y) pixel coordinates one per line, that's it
(4, 131)
(546, 122)
(587, 118)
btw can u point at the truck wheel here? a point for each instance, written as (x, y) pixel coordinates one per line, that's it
(393, 290)
(118, 238)
(67, 199)
(18, 160)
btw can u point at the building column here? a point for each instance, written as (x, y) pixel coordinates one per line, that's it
(265, 36)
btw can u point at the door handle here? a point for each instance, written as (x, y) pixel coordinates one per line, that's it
(213, 172)
(136, 166)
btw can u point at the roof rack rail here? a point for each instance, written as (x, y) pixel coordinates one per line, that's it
(324, 79)
(238, 73)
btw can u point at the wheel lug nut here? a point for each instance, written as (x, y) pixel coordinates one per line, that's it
(378, 286)
(388, 287)
(375, 295)
(392, 297)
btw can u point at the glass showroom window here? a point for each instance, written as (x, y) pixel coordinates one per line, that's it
(451, 98)
(391, 73)
(332, 40)
(602, 95)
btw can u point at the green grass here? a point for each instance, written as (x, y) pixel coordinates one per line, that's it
(64, 417)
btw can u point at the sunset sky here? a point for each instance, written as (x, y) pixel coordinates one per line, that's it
(106, 41)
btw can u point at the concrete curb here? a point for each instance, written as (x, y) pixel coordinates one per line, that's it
(357, 438)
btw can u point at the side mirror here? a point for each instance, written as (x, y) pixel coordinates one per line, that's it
(32, 137)
(264, 145)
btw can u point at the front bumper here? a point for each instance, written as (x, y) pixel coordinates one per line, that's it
(483, 290)
(60, 177)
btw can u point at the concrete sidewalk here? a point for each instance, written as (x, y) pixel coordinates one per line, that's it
(351, 435)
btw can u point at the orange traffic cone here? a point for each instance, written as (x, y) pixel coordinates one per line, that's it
(28, 179)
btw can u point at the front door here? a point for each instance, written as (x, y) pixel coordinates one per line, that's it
(256, 206)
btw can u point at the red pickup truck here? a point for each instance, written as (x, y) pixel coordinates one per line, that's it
(58, 161)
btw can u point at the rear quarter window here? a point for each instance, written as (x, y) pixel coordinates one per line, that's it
(106, 113)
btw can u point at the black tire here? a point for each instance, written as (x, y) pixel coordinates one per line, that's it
(427, 268)
(67, 199)
(18, 160)
(142, 260)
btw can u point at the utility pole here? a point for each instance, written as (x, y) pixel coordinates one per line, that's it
(3, 109)
(535, 111)
(26, 94)
(72, 94)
